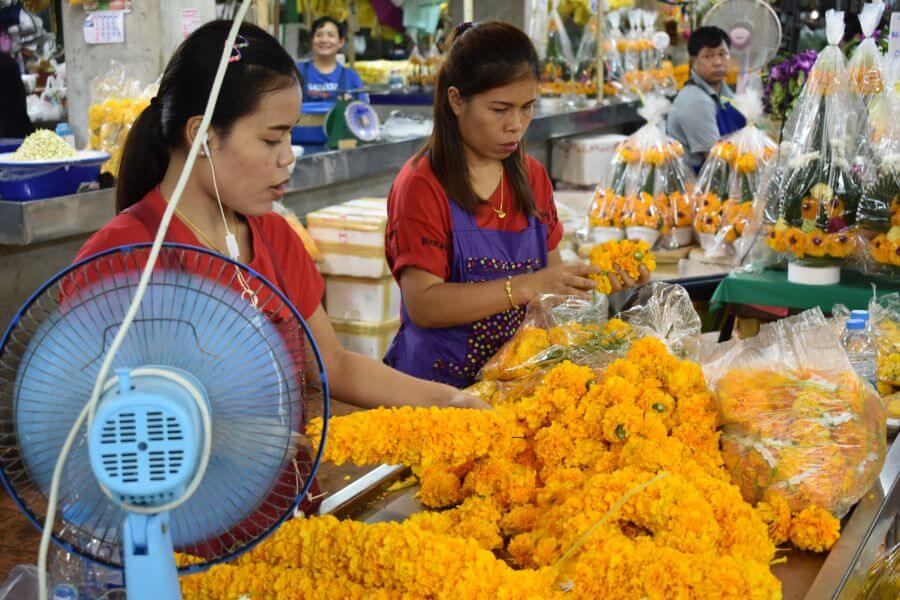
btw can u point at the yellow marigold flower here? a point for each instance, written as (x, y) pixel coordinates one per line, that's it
(508, 483)
(476, 518)
(776, 513)
(439, 486)
(776, 240)
(653, 156)
(519, 519)
(795, 241)
(814, 529)
(746, 163)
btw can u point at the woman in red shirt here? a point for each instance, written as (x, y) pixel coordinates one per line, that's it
(472, 230)
(241, 173)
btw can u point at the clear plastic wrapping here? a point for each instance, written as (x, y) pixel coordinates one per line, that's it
(812, 194)
(884, 319)
(866, 76)
(613, 61)
(556, 70)
(796, 419)
(647, 193)
(878, 215)
(559, 328)
(729, 180)
(587, 78)
(117, 98)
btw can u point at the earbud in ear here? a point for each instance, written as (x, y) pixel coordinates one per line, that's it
(204, 144)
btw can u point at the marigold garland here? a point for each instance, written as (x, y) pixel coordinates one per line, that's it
(626, 256)
(535, 474)
(417, 436)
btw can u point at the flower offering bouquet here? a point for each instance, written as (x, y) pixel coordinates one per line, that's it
(796, 420)
(878, 216)
(817, 184)
(884, 318)
(647, 193)
(866, 76)
(117, 99)
(556, 70)
(729, 180)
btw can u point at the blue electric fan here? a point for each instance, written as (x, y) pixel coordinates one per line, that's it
(197, 444)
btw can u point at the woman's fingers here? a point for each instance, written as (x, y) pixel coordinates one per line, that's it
(627, 282)
(645, 275)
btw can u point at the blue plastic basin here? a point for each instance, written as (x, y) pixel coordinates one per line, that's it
(34, 180)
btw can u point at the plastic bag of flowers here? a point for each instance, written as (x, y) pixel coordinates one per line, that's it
(646, 195)
(884, 318)
(558, 328)
(866, 76)
(796, 420)
(665, 311)
(729, 180)
(878, 215)
(556, 71)
(613, 60)
(817, 183)
(117, 99)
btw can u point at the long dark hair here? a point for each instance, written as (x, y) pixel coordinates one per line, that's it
(263, 67)
(481, 58)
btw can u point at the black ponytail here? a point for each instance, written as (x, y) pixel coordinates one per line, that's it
(144, 161)
(262, 65)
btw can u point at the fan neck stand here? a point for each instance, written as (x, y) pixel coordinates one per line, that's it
(150, 571)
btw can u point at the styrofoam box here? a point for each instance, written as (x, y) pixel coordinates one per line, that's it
(583, 160)
(358, 299)
(353, 261)
(365, 338)
(356, 223)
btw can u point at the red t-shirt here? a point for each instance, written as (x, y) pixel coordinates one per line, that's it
(419, 230)
(305, 285)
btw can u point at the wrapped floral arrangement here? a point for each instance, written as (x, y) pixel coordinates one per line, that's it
(797, 422)
(884, 317)
(866, 76)
(556, 72)
(117, 99)
(816, 186)
(878, 215)
(647, 194)
(728, 182)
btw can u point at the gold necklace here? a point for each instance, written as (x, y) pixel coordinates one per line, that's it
(500, 212)
(203, 235)
(246, 291)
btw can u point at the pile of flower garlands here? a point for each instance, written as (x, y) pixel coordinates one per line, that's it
(597, 485)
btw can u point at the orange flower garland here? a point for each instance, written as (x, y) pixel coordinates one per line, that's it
(626, 256)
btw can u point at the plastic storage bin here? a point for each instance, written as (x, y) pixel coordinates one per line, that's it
(35, 180)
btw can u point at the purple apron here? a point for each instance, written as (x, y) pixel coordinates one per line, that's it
(454, 355)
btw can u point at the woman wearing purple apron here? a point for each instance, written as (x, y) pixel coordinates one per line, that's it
(472, 227)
